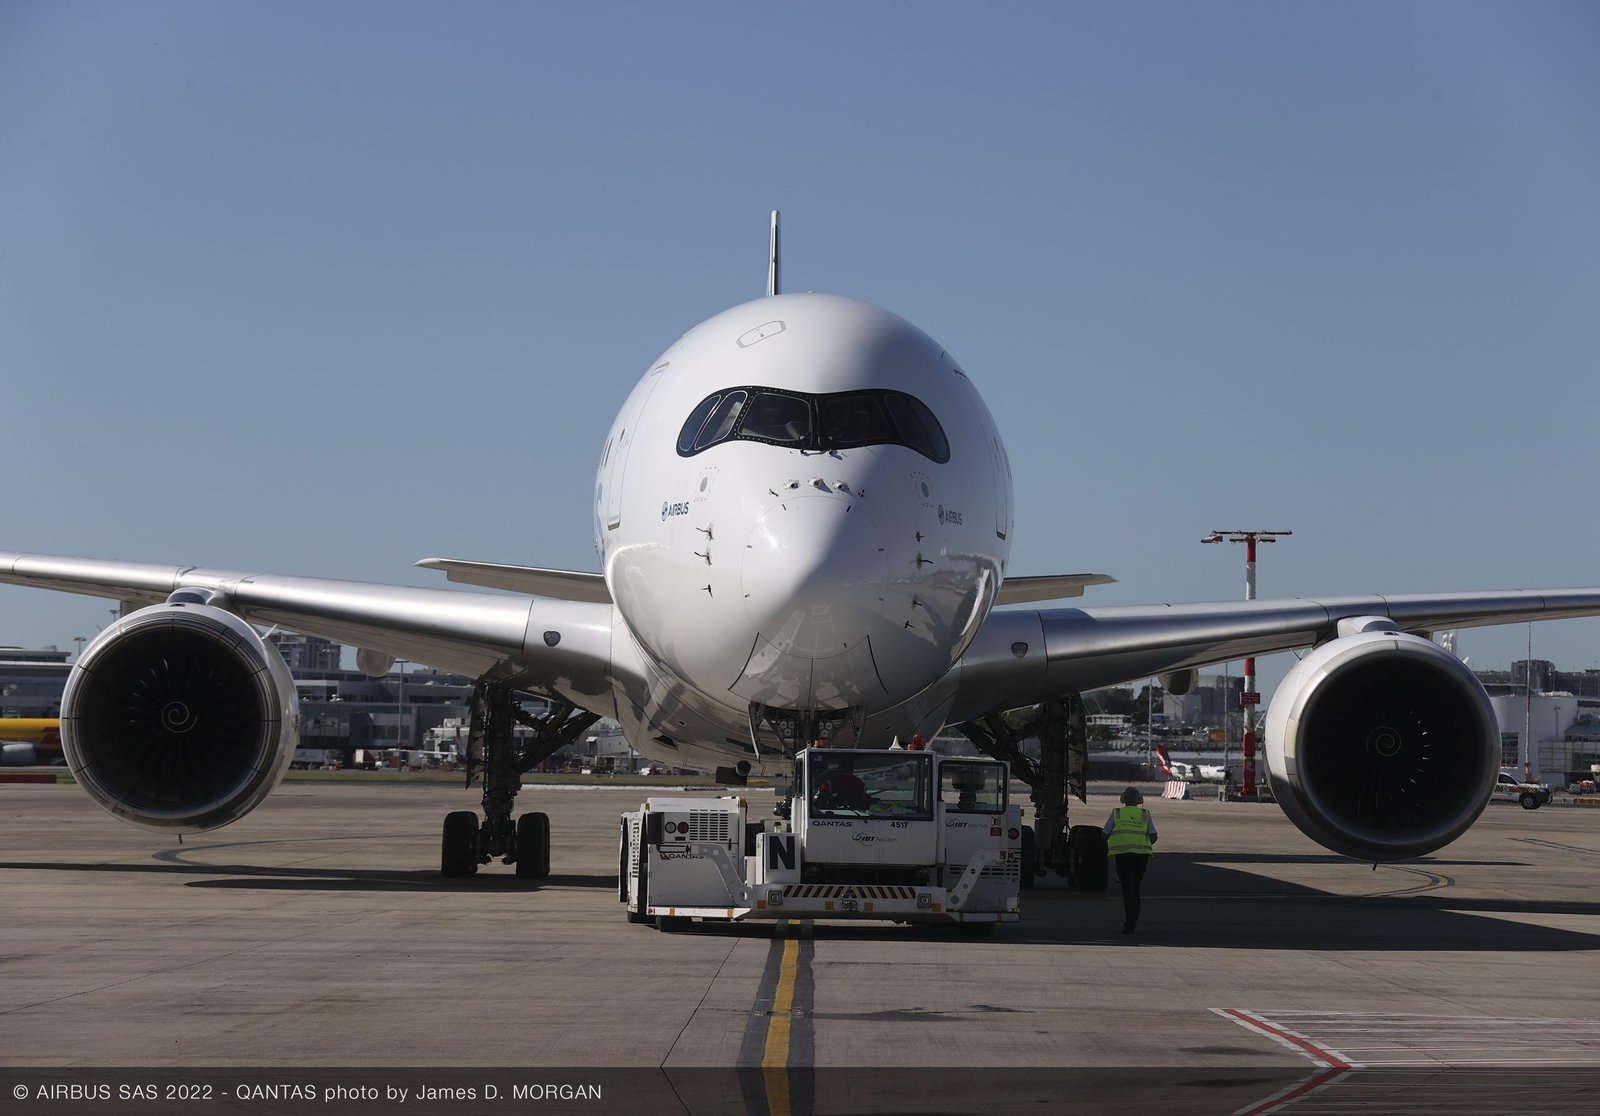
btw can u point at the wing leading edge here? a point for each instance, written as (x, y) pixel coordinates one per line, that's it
(1024, 656)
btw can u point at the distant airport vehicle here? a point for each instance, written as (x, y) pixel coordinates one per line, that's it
(872, 834)
(1509, 788)
(804, 519)
(29, 741)
(417, 759)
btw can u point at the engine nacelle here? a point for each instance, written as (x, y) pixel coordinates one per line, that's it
(1382, 745)
(18, 754)
(179, 716)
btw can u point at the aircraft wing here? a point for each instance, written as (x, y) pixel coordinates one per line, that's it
(557, 647)
(1024, 656)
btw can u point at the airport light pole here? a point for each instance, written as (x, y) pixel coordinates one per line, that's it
(1149, 725)
(1556, 740)
(1249, 699)
(1524, 747)
(400, 705)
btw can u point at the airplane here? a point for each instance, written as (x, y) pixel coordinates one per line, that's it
(1190, 772)
(803, 513)
(26, 741)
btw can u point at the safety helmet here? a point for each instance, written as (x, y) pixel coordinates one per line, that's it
(1132, 797)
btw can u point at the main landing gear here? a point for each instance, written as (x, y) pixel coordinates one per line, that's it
(497, 754)
(1076, 853)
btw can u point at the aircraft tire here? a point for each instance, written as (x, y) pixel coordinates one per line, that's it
(1088, 866)
(533, 846)
(1030, 857)
(458, 847)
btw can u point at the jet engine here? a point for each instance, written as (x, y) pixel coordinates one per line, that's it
(1381, 745)
(18, 755)
(179, 716)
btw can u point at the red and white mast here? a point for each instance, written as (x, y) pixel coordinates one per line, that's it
(1249, 699)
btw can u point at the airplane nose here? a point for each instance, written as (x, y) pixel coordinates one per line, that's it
(814, 575)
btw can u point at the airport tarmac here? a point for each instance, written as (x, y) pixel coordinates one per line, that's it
(317, 933)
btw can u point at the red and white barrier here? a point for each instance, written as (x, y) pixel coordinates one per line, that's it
(1176, 788)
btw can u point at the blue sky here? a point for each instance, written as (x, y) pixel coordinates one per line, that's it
(326, 289)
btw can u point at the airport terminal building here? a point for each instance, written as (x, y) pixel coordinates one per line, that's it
(31, 681)
(1549, 719)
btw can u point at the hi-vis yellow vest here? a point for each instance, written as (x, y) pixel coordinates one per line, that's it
(1130, 831)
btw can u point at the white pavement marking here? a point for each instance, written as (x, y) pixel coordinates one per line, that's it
(1385, 1040)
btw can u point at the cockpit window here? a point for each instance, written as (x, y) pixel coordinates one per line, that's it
(856, 419)
(838, 420)
(776, 417)
(697, 419)
(918, 427)
(716, 427)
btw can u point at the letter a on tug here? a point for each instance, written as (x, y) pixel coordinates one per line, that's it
(894, 835)
(803, 516)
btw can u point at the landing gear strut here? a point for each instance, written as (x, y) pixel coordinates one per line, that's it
(1061, 770)
(497, 755)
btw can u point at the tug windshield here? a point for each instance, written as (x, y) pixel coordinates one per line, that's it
(874, 784)
(972, 788)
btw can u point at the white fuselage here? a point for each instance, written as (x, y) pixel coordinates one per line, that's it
(800, 549)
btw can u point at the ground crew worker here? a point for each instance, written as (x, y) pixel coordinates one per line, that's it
(841, 787)
(1130, 838)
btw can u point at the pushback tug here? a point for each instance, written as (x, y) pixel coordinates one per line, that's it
(903, 836)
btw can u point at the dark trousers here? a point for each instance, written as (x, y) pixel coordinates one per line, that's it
(1130, 874)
